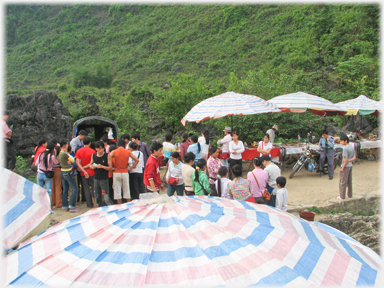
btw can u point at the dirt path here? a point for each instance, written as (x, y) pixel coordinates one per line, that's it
(306, 189)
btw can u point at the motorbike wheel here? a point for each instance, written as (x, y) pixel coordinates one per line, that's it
(295, 169)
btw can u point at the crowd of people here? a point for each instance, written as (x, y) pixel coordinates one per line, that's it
(113, 173)
(117, 172)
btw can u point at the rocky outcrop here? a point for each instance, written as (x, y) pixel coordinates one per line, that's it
(358, 123)
(364, 229)
(37, 116)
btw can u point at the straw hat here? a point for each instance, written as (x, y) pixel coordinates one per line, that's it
(275, 127)
(227, 129)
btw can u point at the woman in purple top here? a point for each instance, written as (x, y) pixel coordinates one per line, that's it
(258, 179)
(213, 166)
(184, 145)
(44, 162)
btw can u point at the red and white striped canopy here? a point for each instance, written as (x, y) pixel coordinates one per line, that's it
(227, 104)
(300, 101)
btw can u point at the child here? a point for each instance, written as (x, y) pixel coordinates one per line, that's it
(222, 183)
(240, 188)
(200, 181)
(151, 172)
(281, 194)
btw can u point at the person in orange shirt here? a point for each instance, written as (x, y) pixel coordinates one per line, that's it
(120, 173)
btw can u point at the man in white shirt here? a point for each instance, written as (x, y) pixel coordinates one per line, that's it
(77, 142)
(225, 142)
(273, 172)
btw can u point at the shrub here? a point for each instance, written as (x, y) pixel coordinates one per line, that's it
(101, 78)
(62, 87)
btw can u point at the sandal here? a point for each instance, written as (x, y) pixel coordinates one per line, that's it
(74, 210)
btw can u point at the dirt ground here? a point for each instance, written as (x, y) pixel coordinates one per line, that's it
(305, 189)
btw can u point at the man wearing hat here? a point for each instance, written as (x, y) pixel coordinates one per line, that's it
(225, 142)
(271, 133)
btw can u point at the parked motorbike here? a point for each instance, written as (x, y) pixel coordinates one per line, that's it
(310, 160)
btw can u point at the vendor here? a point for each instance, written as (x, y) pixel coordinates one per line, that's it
(265, 146)
(225, 142)
(271, 132)
(326, 145)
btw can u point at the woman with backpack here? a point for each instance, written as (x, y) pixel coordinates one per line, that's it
(44, 164)
(40, 148)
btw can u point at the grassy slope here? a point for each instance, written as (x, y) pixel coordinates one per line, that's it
(285, 48)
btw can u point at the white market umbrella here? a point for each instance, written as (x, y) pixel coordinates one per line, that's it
(361, 105)
(228, 104)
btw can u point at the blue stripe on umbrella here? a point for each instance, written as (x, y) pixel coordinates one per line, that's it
(163, 223)
(28, 189)
(191, 220)
(366, 273)
(176, 255)
(311, 255)
(75, 230)
(225, 248)
(259, 235)
(25, 259)
(81, 251)
(27, 280)
(17, 211)
(280, 277)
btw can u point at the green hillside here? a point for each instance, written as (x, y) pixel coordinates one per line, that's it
(152, 63)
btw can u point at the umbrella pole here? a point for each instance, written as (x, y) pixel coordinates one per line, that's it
(232, 122)
(298, 129)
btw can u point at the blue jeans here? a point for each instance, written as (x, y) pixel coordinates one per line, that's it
(272, 201)
(68, 180)
(178, 188)
(42, 179)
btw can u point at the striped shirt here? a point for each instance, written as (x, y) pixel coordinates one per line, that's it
(175, 171)
(168, 148)
(194, 149)
(271, 134)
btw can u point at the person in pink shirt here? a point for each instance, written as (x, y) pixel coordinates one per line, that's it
(44, 162)
(213, 166)
(184, 145)
(258, 179)
(9, 157)
(105, 142)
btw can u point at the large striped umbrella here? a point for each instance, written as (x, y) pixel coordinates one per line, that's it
(361, 105)
(25, 206)
(300, 101)
(228, 104)
(196, 240)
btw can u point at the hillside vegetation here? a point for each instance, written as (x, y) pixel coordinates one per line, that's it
(147, 65)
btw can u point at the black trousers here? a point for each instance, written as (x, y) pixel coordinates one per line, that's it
(136, 184)
(233, 162)
(80, 189)
(110, 182)
(10, 158)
